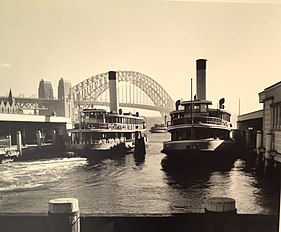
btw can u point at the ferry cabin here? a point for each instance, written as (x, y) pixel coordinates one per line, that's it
(195, 120)
(97, 125)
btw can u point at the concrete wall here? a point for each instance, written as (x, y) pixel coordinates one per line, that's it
(179, 222)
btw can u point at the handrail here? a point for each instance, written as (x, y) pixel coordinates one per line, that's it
(200, 120)
(5, 142)
(112, 126)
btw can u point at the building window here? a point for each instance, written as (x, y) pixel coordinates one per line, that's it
(276, 117)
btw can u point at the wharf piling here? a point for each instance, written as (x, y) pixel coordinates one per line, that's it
(221, 211)
(267, 155)
(54, 137)
(139, 144)
(64, 215)
(254, 146)
(38, 138)
(19, 141)
(37, 150)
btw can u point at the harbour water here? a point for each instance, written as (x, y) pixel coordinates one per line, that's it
(123, 185)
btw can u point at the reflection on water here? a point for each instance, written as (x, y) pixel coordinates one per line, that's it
(132, 185)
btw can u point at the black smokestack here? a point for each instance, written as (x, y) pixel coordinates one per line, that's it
(201, 79)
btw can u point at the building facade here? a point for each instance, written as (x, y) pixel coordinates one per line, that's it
(271, 99)
(45, 90)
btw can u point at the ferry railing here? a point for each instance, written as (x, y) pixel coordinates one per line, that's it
(198, 120)
(112, 126)
(5, 143)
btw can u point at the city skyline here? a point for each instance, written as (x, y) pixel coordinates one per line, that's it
(162, 39)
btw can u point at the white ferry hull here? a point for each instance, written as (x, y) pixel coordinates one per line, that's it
(108, 147)
(155, 130)
(159, 128)
(197, 145)
(199, 154)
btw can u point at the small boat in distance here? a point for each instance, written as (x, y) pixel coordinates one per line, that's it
(199, 133)
(160, 127)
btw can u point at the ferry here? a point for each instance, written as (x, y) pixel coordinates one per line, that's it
(159, 127)
(198, 131)
(99, 130)
(106, 132)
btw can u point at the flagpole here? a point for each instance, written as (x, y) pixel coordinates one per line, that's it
(191, 113)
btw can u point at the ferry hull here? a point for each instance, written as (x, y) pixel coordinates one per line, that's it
(92, 150)
(158, 130)
(197, 145)
(203, 154)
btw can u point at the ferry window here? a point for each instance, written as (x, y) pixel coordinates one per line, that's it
(203, 108)
(196, 108)
(100, 116)
(187, 108)
(226, 117)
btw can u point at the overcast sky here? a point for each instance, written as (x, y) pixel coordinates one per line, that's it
(74, 40)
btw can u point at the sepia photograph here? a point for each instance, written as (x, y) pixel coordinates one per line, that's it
(140, 115)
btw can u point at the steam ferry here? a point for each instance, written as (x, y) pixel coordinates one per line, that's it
(198, 131)
(99, 130)
(160, 127)
(105, 132)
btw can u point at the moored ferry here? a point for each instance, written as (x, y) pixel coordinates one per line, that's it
(197, 130)
(100, 132)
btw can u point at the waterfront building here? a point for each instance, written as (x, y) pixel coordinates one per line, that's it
(266, 122)
(271, 99)
(45, 90)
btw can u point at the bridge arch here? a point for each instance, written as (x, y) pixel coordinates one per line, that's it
(91, 88)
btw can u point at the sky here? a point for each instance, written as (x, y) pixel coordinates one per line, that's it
(74, 40)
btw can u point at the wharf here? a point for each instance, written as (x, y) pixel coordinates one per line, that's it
(64, 215)
(31, 152)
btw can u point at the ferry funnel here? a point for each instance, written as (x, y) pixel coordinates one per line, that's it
(113, 91)
(201, 79)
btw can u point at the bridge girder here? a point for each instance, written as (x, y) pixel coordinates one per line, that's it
(91, 88)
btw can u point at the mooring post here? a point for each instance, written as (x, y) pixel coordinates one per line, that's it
(268, 148)
(220, 213)
(248, 139)
(259, 150)
(38, 138)
(243, 138)
(258, 142)
(19, 141)
(10, 140)
(54, 137)
(139, 144)
(64, 215)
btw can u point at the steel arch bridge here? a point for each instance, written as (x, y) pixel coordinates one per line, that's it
(135, 90)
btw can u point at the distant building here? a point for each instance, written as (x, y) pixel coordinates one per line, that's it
(45, 90)
(64, 89)
(65, 95)
(8, 106)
